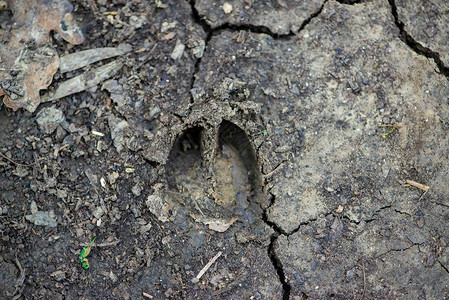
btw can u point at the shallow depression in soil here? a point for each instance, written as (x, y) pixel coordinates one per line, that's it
(222, 189)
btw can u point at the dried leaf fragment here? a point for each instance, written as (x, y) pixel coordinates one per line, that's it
(36, 70)
(34, 19)
(214, 224)
(207, 266)
(85, 81)
(27, 64)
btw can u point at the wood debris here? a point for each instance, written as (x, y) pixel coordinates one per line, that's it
(85, 81)
(83, 58)
(147, 295)
(417, 185)
(207, 266)
(214, 224)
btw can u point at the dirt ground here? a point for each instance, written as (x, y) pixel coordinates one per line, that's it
(291, 149)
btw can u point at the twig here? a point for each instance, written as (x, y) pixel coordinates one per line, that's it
(12, 161)
(422, 196)
(21, 278)
(207, 266)
(147, 295)
(198, 207)
(309, 144)
(19, 281)
(231, 284)
(93, 5)
(9, 69)
(101, 244)
(269, 174)
(364, 281)
(417, 185)
(63, 147)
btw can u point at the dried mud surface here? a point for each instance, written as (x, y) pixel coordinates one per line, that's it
(275, 136)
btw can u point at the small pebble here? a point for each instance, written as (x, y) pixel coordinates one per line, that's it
(339, 210)
(98, 212)
(103, 182)
(113, 277)
(227, 8)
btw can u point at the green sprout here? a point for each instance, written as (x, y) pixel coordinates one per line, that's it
(391, 130)
(84, 253)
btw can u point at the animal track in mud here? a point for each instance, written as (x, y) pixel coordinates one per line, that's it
(214, 174)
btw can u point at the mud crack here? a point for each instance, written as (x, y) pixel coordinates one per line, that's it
(349, 2)
(416, 46)
(444, 267)
(272, 224)
(249, 27)
(277, 264)
(259, 29)
(402, 212)
(197, 18)
(440, 204)
(275, 261)
(373, 217)
(391, 250)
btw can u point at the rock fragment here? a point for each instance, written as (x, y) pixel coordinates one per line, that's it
(116, 90)
(41, 218)
(227, 8)
(178, 50)
(119, 131)
(49, 119)
(98, 212)
(158, 207)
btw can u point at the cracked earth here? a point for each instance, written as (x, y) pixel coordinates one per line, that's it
(279, 134)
